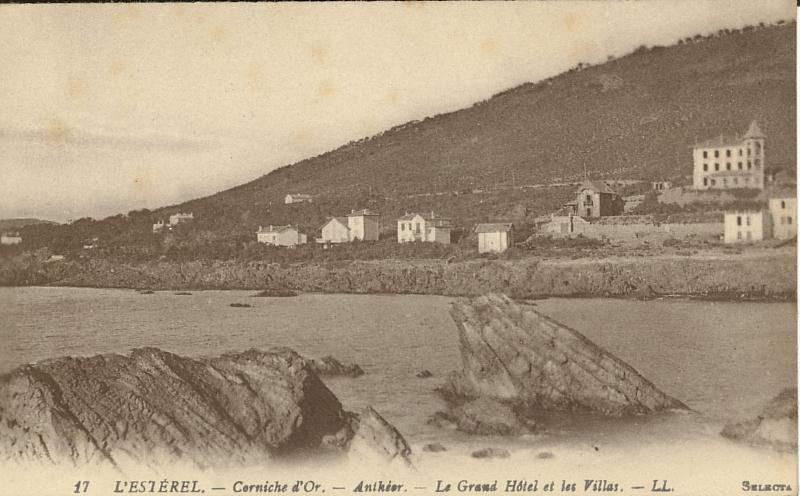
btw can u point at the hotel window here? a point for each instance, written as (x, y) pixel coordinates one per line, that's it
(724, 181)
(738, 220)
(705, 167)
(402, 227)
(727, 153)
(747, 220)
(705, 154)
(713, 182)
(728, 165)
(716, 153)
(788, 220)
(740, 152)
(735, 181)
(739, 235)
(783, 204)
(716, 167)
(705, 181)
(757, 162)
(740, 166)
(749, 165)
(748, 152)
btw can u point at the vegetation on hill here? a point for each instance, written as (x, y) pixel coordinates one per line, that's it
(16, 224)
(633, 117)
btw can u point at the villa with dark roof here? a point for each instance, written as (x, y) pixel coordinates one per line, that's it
(596, 199)
(729, 162)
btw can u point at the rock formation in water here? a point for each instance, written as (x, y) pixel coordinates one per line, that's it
(155, 407)
(373, 435)
(328, 366)
(776, 426)
(516, 355)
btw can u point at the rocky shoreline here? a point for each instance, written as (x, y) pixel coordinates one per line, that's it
(770, 275)
(153, 407)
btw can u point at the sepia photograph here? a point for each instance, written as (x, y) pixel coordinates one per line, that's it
(457, 248)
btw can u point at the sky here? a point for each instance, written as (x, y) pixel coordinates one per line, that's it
(107, 108)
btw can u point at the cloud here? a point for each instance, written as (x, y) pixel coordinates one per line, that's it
(58, 133)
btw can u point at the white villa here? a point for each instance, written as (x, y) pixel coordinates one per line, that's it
(280, 236)
(176, 219)
(422, 227)
(495, 237)
(783, 213)
(730, 162)
(10, 239)
(335, 230)
(363, 225)
(297, 198)
(745, 226)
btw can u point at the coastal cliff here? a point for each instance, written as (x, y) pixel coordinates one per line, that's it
(153, 408)
(768, 275)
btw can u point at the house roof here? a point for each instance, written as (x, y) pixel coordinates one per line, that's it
(781, 193)
(597, 186)
(363, 212)
(340, 220)
(722, 140)
(274, 229)
(496, 227)
(754, 131)
(427, 217)
(719, 142)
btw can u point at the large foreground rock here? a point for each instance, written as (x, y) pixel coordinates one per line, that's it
(155, 407)
(775, 427)
(517, 355)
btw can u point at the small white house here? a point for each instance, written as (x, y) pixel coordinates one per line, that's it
(297, 198)
(280, 236)
(158, 226)
(423, 227)
(180, 217)
(495, 238)
(783, 212)
(10, 239)
(747, 226)
(335, 230)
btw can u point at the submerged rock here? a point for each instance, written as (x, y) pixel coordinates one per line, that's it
(183, 293)
(155, 407)
(517, 355)
(240, 305)
(275, 293)
(434, 448)
(491, 453)
(424, 374)
(328, 366)
(776, 426)
(485, 416)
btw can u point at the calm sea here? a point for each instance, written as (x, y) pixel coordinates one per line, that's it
(723, 359)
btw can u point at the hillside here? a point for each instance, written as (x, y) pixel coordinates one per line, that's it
(634, 117)
(14, 224)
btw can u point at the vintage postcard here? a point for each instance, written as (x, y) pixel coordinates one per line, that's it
(398, 248)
